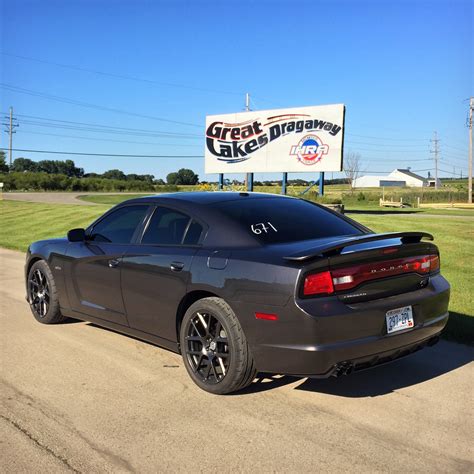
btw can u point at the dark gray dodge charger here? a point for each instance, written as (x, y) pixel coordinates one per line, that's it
(245, 282)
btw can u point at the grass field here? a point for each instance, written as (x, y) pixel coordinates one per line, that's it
(111, 199)
(23, 222)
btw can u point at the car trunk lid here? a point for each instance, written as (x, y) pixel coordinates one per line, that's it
(366, 267)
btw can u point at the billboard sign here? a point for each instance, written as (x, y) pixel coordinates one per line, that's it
(303, 139)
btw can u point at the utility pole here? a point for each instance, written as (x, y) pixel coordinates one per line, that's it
(10, 129)
(469, 124)
(248, 176)
(435, 141)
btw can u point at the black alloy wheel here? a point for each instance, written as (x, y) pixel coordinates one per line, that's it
(207, 347)
(43, 295)
(39, 293)
(214, 347)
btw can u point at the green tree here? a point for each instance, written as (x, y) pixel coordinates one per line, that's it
(114, 174)
(141, 177)
(183, 176)
(172, 178)
(24, 164)
(69, 169)
(3, 163)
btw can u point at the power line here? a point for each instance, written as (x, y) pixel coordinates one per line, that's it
(110, 131)
(386, 138)
(104, 154)
(387, 145)
(457, 148)
(70, 122)
(106, 139)
(118, 76)
(66, 100)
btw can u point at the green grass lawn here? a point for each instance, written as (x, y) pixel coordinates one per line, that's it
(24, 222)
(112, 199)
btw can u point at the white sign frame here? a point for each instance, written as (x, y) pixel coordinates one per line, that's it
(296, 140)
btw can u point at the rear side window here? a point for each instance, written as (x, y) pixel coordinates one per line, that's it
(193, 235)
(166, 227)
(119, 226)
(279, 220)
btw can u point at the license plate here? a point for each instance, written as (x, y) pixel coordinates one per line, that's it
(399, 319)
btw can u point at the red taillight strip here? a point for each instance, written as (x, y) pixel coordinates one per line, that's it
(318, 284)
(266, 316)
(347, 278)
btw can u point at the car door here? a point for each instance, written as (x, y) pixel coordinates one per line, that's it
(94, 271)
(155, 271)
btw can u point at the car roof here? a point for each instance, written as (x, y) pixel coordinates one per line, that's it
(208, 197)
(223, 231)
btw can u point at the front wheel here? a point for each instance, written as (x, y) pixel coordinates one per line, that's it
(43, 295)
(214, 348)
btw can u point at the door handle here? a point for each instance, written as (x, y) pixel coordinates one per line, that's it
(113, 263)
(176, 266)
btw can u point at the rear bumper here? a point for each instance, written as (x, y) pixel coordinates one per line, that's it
(343, 358)
(325, 337)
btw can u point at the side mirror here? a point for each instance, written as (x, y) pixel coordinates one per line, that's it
(76, 235)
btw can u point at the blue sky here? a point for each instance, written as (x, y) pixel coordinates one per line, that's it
(403, 69)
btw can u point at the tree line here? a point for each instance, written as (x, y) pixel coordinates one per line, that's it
(59, 175)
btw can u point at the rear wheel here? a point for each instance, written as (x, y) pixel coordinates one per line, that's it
(214, 348)
(43, 295)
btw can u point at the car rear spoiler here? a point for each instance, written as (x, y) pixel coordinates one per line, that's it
(336, 246)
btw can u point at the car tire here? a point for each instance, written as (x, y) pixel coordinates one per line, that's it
(43, 294)
(214, 347)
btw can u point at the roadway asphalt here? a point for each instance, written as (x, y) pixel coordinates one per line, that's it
(55, 198)
(75, 397)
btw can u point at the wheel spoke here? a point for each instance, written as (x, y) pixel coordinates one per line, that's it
(203, 322)
(209, 364)
(196, 329)
(195, 353)
(199, 362)
(222, 365)
(214, 370)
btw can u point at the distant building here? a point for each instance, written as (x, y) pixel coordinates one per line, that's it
(398, 177)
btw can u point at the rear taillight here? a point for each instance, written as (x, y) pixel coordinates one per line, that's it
(341, 279)
(434, 263)
(318, 284)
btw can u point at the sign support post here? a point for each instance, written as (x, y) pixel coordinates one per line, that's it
(250, 182)
(221, 181)
(284, 182)
(321, 183)
(249, 177)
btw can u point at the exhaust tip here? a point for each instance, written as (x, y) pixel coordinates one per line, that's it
(343, 368)
(433, 341)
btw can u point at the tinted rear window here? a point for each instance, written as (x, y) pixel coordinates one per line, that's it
(279, 220)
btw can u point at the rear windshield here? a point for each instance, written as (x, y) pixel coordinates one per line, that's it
(279, 220)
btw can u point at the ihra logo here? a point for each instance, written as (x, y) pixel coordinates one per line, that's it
(310, 150)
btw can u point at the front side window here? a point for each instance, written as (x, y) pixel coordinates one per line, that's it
(119, 226)
(166, 227)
